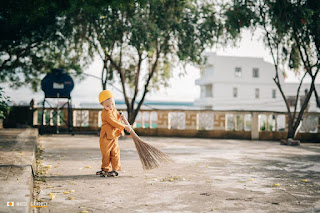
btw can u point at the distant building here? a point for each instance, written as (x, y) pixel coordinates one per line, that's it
(245, 83)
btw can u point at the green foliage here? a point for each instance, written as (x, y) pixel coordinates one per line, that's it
(239, 15)
(141, 41)
(3, 104)
(36, 36)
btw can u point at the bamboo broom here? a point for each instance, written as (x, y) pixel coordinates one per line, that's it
(150, 156)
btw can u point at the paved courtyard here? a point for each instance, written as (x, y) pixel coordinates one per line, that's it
(207, 176)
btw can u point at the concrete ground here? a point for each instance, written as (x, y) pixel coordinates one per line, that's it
(207, 176)
(17, 160)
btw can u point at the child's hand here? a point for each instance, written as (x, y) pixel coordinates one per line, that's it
(128, 128)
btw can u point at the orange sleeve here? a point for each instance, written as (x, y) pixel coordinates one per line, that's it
(115, 123)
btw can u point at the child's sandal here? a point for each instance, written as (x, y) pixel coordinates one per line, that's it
(114, 173)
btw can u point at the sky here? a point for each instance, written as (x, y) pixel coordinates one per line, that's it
(181, 88)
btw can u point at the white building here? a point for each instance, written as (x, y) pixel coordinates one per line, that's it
(245, 83)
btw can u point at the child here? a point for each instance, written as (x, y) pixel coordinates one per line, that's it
(110, 131)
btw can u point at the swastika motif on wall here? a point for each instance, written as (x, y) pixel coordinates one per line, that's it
(163, 119)
(219, 121)
(93, 118)
(191, 120)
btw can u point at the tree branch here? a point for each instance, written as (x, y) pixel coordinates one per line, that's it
(136, 82)
(154, 66)
(298, 92)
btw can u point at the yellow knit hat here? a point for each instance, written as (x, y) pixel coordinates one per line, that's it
(104, 95)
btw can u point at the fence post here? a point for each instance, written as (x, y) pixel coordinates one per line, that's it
(255, 126)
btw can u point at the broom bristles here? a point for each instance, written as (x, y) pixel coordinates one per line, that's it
(150, 156)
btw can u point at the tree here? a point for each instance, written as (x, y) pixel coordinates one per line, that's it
(35, 37)
(139, 42)
(292, 34)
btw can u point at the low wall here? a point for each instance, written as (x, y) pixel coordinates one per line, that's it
(242, 124)
(194, 133)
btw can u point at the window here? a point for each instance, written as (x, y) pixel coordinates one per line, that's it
(235, 92)
(273, 93)
(237, 72)
(257, 93)
(291, 100)
(255, 72)
(208, 91)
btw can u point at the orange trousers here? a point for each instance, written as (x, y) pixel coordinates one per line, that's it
(110, 154)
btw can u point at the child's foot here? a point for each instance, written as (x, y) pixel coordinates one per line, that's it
(99, 172)
(114, 173)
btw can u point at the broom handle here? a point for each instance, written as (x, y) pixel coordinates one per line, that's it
(125, 120)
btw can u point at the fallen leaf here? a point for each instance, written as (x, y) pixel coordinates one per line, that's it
(304, 180)
(276, 184)
(52, 196)
(48, 166)
(208, 181)
(66, 192)
(88, 167)
(71, 198)
(251, 179)
(71, 190)
(83, 212)
(48, 187)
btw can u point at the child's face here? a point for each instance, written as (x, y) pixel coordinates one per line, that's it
(108, 104)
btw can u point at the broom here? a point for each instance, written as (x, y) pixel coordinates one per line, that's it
(150, 156)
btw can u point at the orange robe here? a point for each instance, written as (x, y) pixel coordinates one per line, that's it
(110, 131)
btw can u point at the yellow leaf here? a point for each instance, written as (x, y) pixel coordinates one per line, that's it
(66, 192)
(208, 181)
(276, 184)
(171, 179)
(304, 180)
(52, 196)
(251, 179)
(48, 187)
(83, 212)
(71, 190)
(48, 166)
(71, 198)
(88, 167)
